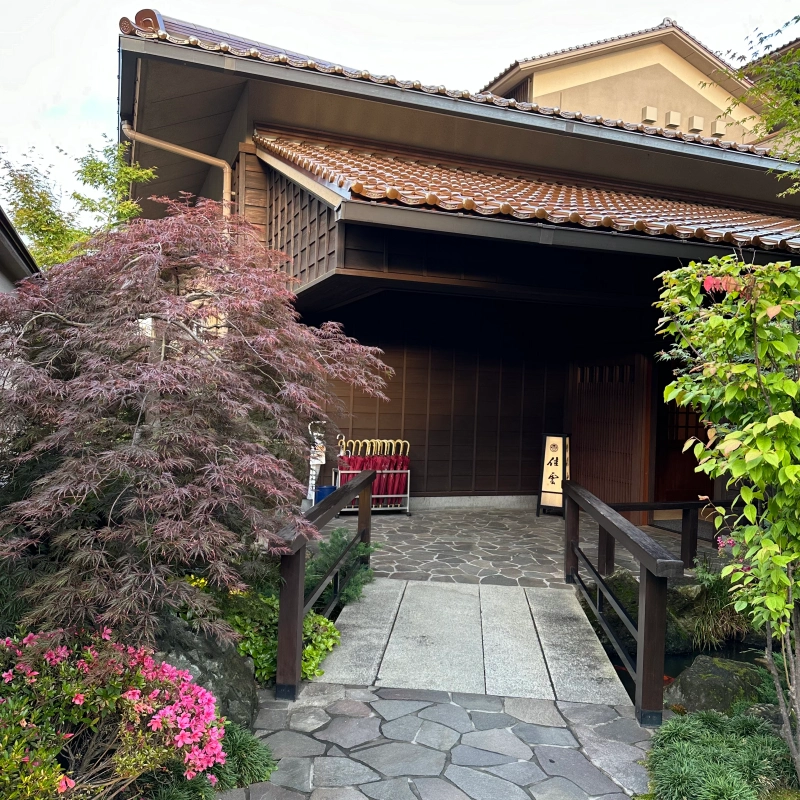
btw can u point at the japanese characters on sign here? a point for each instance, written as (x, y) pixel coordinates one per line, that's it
(555, 470)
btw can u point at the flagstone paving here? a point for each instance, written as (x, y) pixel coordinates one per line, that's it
(341, 742)
(504, 548)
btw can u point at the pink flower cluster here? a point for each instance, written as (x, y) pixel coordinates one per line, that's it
(161, 700)
(186, 713)
(723, 543)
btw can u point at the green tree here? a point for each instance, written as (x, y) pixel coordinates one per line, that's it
(54, 233)
(735, 335)
(774, 75)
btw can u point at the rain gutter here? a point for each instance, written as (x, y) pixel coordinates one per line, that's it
(160, 144)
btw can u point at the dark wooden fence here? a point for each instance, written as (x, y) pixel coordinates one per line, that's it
(294, 602)
(656, 565)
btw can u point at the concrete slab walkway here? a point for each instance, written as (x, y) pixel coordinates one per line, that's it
(481, 639)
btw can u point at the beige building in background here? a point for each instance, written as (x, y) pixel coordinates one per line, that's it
(661, 77)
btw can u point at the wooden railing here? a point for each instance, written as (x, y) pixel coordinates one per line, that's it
(690, 524)
(656, 565)
(294, 602)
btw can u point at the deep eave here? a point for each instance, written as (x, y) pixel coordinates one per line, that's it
(489, 108)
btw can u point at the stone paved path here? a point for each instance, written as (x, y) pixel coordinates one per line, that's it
(505, 548)
(346, 743)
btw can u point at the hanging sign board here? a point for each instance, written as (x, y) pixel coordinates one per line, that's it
(555, 470)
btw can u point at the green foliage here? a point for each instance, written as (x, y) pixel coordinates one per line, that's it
(708, 756)
(716, 620)
(774, 84)
(355, 573)
(255, 617)
(55, 234)
(736, 340)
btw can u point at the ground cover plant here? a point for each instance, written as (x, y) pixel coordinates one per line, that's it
(735, 341)
(708, 756)
(155, 398)
(84, 716)
(253, 614)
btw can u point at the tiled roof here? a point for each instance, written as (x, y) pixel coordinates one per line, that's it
(149, 24)
(390, 177)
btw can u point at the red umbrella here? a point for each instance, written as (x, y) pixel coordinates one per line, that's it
(382, 462)
(399, 462)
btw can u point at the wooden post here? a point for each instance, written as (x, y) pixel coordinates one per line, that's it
(571, 536)
(365, 517)
(689, 526)
(652, 629)
(605, 552)
(290, 624)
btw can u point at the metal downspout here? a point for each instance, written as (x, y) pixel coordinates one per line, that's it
(227, 172)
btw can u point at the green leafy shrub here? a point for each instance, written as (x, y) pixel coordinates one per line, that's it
(708, 756)
(716, 620)
(355, 574)
(255, 617)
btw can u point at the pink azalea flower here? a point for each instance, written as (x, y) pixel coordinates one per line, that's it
(212, 779)
(106, 634)
(8, 676)
(78, 699)
(64, 784)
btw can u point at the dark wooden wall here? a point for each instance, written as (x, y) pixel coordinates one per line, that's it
(518, 269)
(250, 185)
(474, 419)
(609, 402)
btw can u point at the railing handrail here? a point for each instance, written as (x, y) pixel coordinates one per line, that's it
(293, 602)
(673, 505)
(327, 508)
(646, 550)
(667, 505)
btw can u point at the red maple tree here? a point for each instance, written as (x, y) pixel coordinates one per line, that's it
(154, 403)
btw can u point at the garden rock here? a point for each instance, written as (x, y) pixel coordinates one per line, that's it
(714, 684)
(219, 668)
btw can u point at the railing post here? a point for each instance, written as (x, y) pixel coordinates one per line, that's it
(605, 552)
(290, 624)
(652, 629)
(365, 518)
(689, 526)
(571, 537)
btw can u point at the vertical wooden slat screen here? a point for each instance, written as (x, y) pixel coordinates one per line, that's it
(610, 429)
(474, 420)
(287, 217)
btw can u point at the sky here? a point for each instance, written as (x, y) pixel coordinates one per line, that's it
(59, 61)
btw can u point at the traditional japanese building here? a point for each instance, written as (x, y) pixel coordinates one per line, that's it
(500, 246)
(16, 262)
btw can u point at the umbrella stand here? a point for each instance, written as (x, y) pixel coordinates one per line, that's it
(389, 458)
